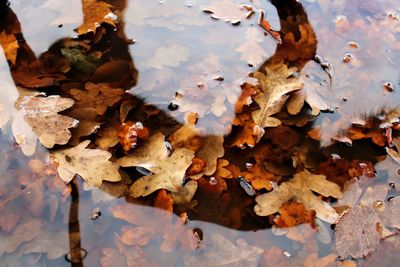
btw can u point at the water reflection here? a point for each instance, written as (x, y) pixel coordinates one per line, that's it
(183, 59)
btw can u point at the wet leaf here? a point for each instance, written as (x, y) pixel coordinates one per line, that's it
(55, 245)
(96, 12)
(300, 189)
(92, 165)
(276, 86)
(168, 171)
(360, 230)
(96, 96)
(293, 214)
(81, 61)
(38, 118)
(24, 232)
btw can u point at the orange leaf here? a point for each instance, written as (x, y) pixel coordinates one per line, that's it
(293, 214)
(95, 13)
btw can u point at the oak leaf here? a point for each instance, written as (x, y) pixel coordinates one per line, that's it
(99, 96)
(38, 118)
(95, 12)
(276, 86)
(168, 171)
(92, 165)
(300, 189)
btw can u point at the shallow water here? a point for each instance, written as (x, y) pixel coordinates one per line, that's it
(179, 52)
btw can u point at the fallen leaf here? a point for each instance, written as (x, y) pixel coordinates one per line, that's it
(311, 93)
(54, 244)
(97, 96)
(293, 214)
(300, 189)
(168, 171)
(185, 195)
(223, 252)
(96, 12)
(360, 230)
(92, 165)
(24, 232)
(212, 148)
(38, 118)
(276, 85)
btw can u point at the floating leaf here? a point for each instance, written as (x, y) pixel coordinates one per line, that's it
(276, 86)
(168, 171)
(300, 189)
(92, 165)
(95, 12)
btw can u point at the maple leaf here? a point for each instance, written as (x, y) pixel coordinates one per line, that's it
(360, 230)
(38, 118)
(98, 96)
(168, 171)
(300, 189)
(10, 46)
(223, 252)
(95, 12)
(275, 89)
(92, 165)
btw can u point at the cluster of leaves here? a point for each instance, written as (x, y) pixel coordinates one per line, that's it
(120, 145)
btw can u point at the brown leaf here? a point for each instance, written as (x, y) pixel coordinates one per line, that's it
(300, 189)
(95, 13)
(10, 46)
(97, 96)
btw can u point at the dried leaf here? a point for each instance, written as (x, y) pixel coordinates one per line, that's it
(96, 12)
(97, 96)
(92, 165)
(300, 189)
(360, 230)
(168, 171)
(276, 86)
(38, 118)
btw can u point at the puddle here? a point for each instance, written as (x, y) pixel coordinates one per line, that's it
(187, 72)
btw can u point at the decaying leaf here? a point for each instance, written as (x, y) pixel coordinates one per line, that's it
(360, 230)
(185, 195)
(276, 86)
(38, 118)
(223, 252)
(92, 165)
(97, 96)
(168, 171)
(300, 189)
(96, 12)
